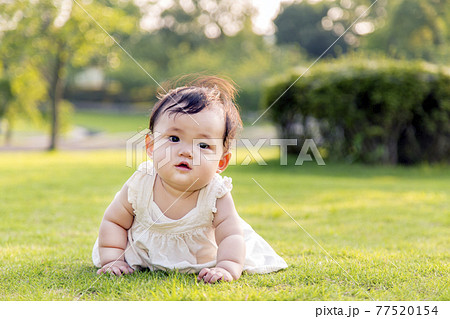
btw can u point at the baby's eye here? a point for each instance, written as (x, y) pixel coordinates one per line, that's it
(203, 145)
(174, 138)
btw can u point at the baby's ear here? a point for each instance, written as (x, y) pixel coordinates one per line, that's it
(224, 161)
(149, 144)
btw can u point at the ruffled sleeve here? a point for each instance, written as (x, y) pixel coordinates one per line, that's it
(224, 187)
(140, 186)
(218, 188)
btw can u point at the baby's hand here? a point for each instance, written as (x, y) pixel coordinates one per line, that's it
(117, 268)
(212, 275)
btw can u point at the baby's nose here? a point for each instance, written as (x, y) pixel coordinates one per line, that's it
(185, 151)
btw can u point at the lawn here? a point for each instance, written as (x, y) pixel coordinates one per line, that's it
(93, 120)
(385, 231)
(110, 122)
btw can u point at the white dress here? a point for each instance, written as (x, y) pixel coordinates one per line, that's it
(187, 244)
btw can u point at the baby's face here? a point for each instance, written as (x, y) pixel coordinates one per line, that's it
(188, 148)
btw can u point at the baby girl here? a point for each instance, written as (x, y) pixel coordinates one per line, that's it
(176, 211)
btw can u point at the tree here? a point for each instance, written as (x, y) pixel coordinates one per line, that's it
(194, 19)
(51, 35)
(301, 23)
(415, 29)
(5, 100)
(245, 57)
(182, 46)
(22, 87)
(316, 26)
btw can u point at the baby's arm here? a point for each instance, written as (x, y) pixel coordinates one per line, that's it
(112, 238)
(230, 241)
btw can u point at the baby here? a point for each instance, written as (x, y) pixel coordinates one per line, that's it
(176, 211)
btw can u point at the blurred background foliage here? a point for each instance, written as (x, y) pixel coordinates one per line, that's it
(61, 50)
(381, 111)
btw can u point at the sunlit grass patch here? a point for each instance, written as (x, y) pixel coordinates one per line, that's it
(359, 232)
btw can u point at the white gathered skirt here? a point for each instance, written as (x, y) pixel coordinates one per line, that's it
(260, 257)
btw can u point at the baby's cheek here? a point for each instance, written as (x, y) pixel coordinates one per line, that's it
(162, 157)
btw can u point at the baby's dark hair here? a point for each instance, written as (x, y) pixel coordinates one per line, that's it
(203, 92)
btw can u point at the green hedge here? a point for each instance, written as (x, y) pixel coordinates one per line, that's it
(373, 111)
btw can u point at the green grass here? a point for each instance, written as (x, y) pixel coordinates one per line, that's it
(110, 122)
(93, 120)
(388, 228)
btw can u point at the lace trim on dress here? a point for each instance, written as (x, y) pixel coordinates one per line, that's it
(199, 231)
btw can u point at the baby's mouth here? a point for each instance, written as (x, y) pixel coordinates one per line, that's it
(183, 166)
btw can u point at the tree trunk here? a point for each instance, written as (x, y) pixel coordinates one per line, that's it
(56, 91)
(392, 145)
(392, 151)
(7, 129)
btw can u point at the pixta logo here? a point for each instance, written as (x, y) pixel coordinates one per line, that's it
(136, 150)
